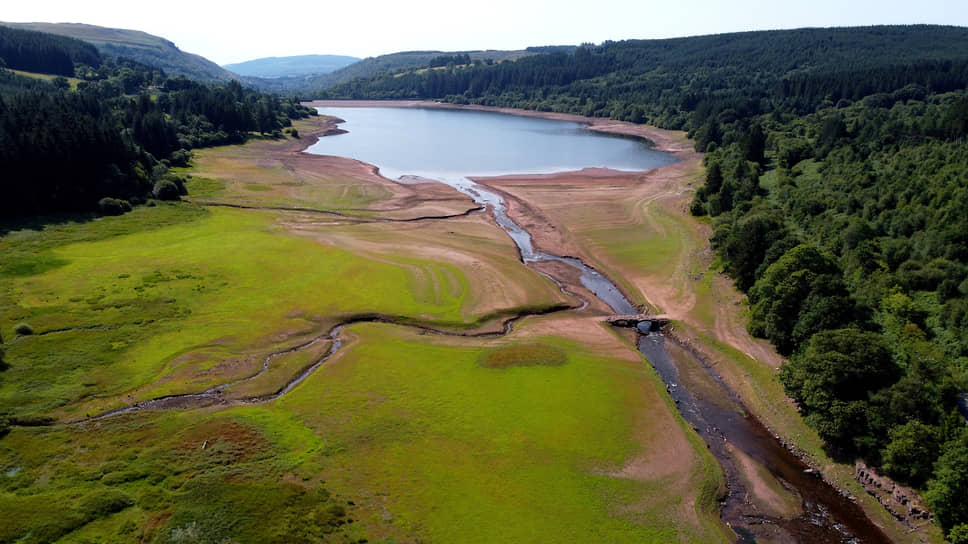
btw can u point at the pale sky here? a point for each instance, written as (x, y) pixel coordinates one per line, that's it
(233, 32)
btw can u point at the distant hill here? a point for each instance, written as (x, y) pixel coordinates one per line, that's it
(686, 83)
(405, 60)
(139, 46)
(300, 65)
(370, 66)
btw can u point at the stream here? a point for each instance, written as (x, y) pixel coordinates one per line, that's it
(825, 516)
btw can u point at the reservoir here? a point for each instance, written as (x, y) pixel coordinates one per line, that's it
(448, 144)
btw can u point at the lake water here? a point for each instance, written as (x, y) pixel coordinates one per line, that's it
(448, 144)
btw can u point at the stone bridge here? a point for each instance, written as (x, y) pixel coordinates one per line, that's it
(643, 322)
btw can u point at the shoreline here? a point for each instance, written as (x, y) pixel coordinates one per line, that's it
(551, 238)
(669, 141)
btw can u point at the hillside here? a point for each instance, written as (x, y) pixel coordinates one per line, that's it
(682, 82)
(370, 66)
(139, 46)
(300, 65)
(106, 139)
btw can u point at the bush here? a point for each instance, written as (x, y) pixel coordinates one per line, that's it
(104, 504)
(166, 189)
(180, 157)
(4, 426)
(113, 206)
(23, 329)
(958, 534)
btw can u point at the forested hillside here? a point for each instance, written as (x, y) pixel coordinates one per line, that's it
(109, 143)
(683, 82)
(295, 66)
(138, 46)
(44, 53)
(399, 62)
(837, 180)
(848, 230)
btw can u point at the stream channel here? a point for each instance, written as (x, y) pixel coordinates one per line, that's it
(812, 511)
(819, 513)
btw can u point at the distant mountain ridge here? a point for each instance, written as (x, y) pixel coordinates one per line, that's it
(140, 46)
(406, 60)
(292, 66)
(393, 62)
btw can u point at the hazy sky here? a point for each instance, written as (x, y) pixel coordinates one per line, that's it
(227, 33)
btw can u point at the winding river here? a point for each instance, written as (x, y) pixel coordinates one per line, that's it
(452, 146)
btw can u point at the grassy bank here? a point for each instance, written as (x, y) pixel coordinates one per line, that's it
(557, 432)
(638, 231)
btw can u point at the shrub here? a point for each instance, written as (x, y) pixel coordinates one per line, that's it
(23, 329)
(180, 157)
(166, 189)
(113, 206)
(105, 503)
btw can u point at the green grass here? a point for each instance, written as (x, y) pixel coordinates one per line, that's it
(48, 77)
(241, 174)
(169, 477)
(655, 249)
(409, 437)
(437, 445)
(414, 436)
(185, 303)
(523, 354)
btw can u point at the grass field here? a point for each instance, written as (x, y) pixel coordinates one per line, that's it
(73, 81)
(638, 231)
(184, 307)
(557, 432)
(431, 440)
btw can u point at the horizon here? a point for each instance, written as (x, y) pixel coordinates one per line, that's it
(432, 25)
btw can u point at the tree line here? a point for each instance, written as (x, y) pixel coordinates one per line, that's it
(109, 143)
(847, 230)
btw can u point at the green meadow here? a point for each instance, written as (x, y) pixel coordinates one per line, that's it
(185, 306)
(431, 437)
(415, 431)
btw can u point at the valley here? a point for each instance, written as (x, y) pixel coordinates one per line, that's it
(479, 296)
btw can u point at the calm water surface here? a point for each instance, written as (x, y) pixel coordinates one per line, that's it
(447, 144)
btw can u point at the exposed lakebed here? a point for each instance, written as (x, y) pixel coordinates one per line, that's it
(452, 146)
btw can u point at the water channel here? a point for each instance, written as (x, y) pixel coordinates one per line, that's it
(451, 146)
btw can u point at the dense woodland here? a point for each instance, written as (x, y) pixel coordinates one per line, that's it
(45, 53)
(108, 143)
(848, 230)
(837, 183)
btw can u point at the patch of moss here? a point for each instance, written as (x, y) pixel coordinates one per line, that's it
(523, 354)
